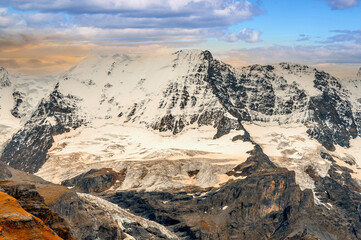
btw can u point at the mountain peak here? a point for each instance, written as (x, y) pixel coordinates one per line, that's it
(4, 78)
(195, 53)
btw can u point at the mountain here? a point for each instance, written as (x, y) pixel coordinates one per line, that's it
(205, 149)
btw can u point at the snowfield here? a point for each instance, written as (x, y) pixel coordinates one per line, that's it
(166, 159)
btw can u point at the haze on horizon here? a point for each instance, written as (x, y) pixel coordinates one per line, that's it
(42, 37)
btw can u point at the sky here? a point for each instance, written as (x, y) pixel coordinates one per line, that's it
(47, 37)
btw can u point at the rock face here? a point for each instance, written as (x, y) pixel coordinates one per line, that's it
(4, 78)
(341, 194)
(4, 171)
(16, 223)
(18, 99)
(55, 115)
(70, 215)
(30, 200)
(267, 93)
(267, 204)
(96, 180)
(336, 124)
(86, 223)
(94, 218)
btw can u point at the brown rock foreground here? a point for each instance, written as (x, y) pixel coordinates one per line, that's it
(16, 223)
(31, 201)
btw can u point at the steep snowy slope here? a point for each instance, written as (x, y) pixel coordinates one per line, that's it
(166, 93)
(19, 96)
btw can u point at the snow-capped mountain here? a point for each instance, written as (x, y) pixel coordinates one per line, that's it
(19, 97)
(186, 120)
(103, 101)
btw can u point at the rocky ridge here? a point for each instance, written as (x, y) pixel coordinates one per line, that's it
(266, 204)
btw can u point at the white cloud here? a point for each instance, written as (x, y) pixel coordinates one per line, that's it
(345, 36)
(342, 4)
(305, 54)
(145, 20)
(161, 13)
(246, 34)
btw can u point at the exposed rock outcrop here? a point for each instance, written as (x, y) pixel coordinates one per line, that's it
(4, 171)
(31, 201)
(18, 100)
(86, 222)
(96, 180)
(4, 78)
(16, 223)
(56, 114)
(340, 193)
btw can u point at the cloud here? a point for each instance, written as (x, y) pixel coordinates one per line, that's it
(342, 4)
(145, 13)
(303, 37)
(306, 54)
(345, 36)
(128, 22)
(9, 20)
(41, 56)
(23, 20)
(10, 42)
(9, 63)
(246, 34)
(35, 54)
(341, 60)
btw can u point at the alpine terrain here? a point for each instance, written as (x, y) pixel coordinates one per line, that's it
(182, 146)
